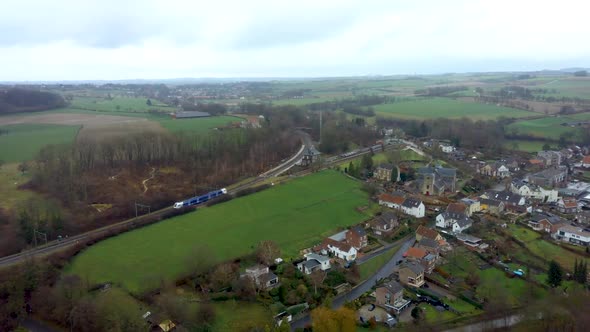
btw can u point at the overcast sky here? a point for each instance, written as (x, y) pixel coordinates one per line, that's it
(128, 39)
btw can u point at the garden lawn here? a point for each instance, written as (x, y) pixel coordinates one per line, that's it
(23, 141)
(295, 215)
(446, 108)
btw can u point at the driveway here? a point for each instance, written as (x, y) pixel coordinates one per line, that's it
(363, 287)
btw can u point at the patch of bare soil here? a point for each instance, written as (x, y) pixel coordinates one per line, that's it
(69, 119)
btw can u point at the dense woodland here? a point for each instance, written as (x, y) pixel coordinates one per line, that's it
(14, 100)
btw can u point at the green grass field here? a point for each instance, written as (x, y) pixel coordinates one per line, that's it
(118, 104)
(296, 215)
(548, 251)
(446, 108)
(371, 266)
(23, 141)
(236, 316)
(526, 146)
(197, 124)
(549, 127)
(10, 179)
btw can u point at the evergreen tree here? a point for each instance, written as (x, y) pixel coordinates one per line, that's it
(555, 274)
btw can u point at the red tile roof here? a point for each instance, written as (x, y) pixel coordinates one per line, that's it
(536, 162)
(570, 203)
(415, 253)
(340, 245)
(586, 160)
(427, 232)
(393, 199)
(456, 208)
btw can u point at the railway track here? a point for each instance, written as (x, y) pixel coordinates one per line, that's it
(57, 245)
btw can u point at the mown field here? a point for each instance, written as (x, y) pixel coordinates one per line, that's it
(296, 215)
(446, 108)
(22, 142)
(197, 124)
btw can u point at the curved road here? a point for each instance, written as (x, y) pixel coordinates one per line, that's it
(384, 272)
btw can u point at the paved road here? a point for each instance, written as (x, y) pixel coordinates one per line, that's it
(363, 287)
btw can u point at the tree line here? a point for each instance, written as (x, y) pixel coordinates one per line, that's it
(17, 99)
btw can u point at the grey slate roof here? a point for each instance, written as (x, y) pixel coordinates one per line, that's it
(504, 196)
(393, 286)
(411, 203)
(430, 243)
(310, 264)
(463, 222)
(414, 267)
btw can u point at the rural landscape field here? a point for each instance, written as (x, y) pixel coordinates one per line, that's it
(313, 167)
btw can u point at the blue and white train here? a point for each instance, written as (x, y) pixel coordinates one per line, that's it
(200, 199)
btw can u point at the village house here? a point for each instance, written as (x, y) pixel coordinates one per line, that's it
(314, 262)
(423, 232)
(310, 156)
(411, 274)
(458, 222)
(391, 296)
(357, 237)
(385, 223)
(574, 235)
(545, 221)
(472, 242)
(339, 249)
(436, 180)
(567, 205)
(533, 191)
(429, 245)
(586, 161)
(420, 256)
(446, 148)
(472, 205)
(552, 158)
(262, 276)
(409, 206)
(494, 169)
(413, 207)
(549, 178)
(512, 164)
(492, 206)
(383, 172)
(391, 201)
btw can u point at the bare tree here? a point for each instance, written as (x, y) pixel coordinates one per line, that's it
(317, 277)
(267, 252)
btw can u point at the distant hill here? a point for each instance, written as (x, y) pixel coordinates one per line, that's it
(16, 100)
(573, 70)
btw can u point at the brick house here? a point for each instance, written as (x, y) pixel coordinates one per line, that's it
(357, 237)
(546, 222)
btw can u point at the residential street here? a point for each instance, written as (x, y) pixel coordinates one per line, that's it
(359, 290)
